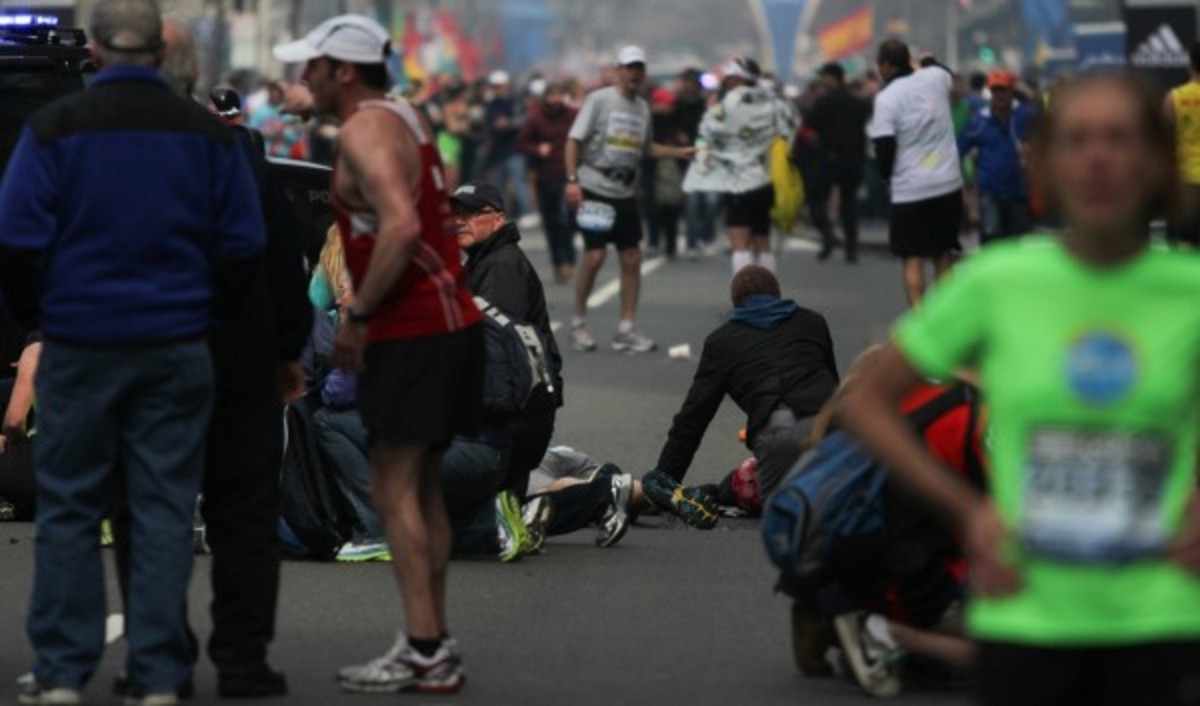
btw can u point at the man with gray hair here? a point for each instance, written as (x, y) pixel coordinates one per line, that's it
(125, 296)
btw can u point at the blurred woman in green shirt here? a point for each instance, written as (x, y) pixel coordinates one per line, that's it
(1085, 557)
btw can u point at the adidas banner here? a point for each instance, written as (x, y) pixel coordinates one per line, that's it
(1159, 34)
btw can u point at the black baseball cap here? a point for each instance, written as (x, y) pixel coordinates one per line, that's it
(477, 196)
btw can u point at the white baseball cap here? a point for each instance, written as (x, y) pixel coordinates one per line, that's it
(499, 77)
(631, 55)
(351, 38)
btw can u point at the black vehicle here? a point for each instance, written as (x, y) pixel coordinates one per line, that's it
(39, 62)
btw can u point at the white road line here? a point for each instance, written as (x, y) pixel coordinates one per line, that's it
(610, 289)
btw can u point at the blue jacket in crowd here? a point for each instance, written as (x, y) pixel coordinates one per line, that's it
(119, 209)
(998, 158)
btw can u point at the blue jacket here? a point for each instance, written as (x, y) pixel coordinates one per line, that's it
(119, 208)
(998, 159)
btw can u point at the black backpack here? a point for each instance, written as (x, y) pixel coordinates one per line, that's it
(516, 379)
(312, 505)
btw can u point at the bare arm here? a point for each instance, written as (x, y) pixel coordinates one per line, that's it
(661, 151)
(868, 410)
(385, 178)
(21, 400)
(574, 192)
(571, 157)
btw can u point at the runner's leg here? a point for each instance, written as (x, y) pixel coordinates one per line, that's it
(585, 279)
(631, 281)
(397, 493)
(914, 279)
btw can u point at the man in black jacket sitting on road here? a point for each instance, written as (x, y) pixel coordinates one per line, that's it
(775, 360)
(498, 271)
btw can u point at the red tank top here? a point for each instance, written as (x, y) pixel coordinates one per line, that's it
(432, 296)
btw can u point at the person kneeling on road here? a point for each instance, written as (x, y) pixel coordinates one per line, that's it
(775, 359)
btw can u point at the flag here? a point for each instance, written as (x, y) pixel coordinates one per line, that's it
(783, 19)
(847, 36)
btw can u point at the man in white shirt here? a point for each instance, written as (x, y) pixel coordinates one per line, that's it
(737, 134)
(604, 151)
(913, 133)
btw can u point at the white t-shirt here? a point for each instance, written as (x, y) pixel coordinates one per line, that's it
(615, 134)
(915, 110)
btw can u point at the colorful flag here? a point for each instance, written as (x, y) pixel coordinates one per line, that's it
(847, 36)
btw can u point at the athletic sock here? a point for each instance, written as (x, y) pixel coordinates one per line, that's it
(767, 260)
(578, 321)
(624, 326)
(741, 258)
(425, 648)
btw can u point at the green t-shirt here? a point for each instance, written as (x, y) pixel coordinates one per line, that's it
(1093, 389)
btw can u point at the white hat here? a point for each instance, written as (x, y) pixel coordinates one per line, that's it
(499, 77)
(631, 55)
(537, 87)
(737, 68)
(351, 38)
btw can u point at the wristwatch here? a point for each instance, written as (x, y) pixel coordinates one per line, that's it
(573, 179)
(356, 318)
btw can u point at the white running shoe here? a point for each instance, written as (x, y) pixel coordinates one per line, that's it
(383, 675)
(581, 339)
(616, 522)
(633, 342)
(872, 662)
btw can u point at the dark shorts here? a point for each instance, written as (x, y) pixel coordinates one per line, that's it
(1163, 674)
(751, 210)
(927, 228)
(626, 232)
(423, 391)
(1184, 228)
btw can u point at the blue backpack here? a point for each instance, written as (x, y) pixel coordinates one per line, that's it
(835, 491)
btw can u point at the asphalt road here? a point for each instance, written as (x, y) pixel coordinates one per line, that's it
(670, 616)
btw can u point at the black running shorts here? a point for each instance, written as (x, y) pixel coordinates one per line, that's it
(927, 228)
(1160, 673)
(423, 391)
(626, 231)
(751, 210)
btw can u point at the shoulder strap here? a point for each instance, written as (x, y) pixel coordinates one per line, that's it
(403, 110)
(943, 404)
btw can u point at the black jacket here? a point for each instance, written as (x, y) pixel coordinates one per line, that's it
(263, 317)
(840, 120)
(498, 271)
(791, 365)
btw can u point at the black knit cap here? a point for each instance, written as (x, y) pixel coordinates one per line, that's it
(752, 280)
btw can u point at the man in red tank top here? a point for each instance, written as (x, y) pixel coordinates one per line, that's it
(413, 332)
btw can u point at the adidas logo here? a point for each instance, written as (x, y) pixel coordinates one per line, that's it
(1161, 50)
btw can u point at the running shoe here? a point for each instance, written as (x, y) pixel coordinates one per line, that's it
(358, 553)
(633, 342)
(536, 516)
(106, 533)
(616, 521)
(33, 694)
(692, 505)
(383, 675)
(8, 511)
(872, 662)
(581, 339)
(514, 537)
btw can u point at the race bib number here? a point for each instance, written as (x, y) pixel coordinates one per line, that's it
(596, 217)
(625, 137)
(1095, 496)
